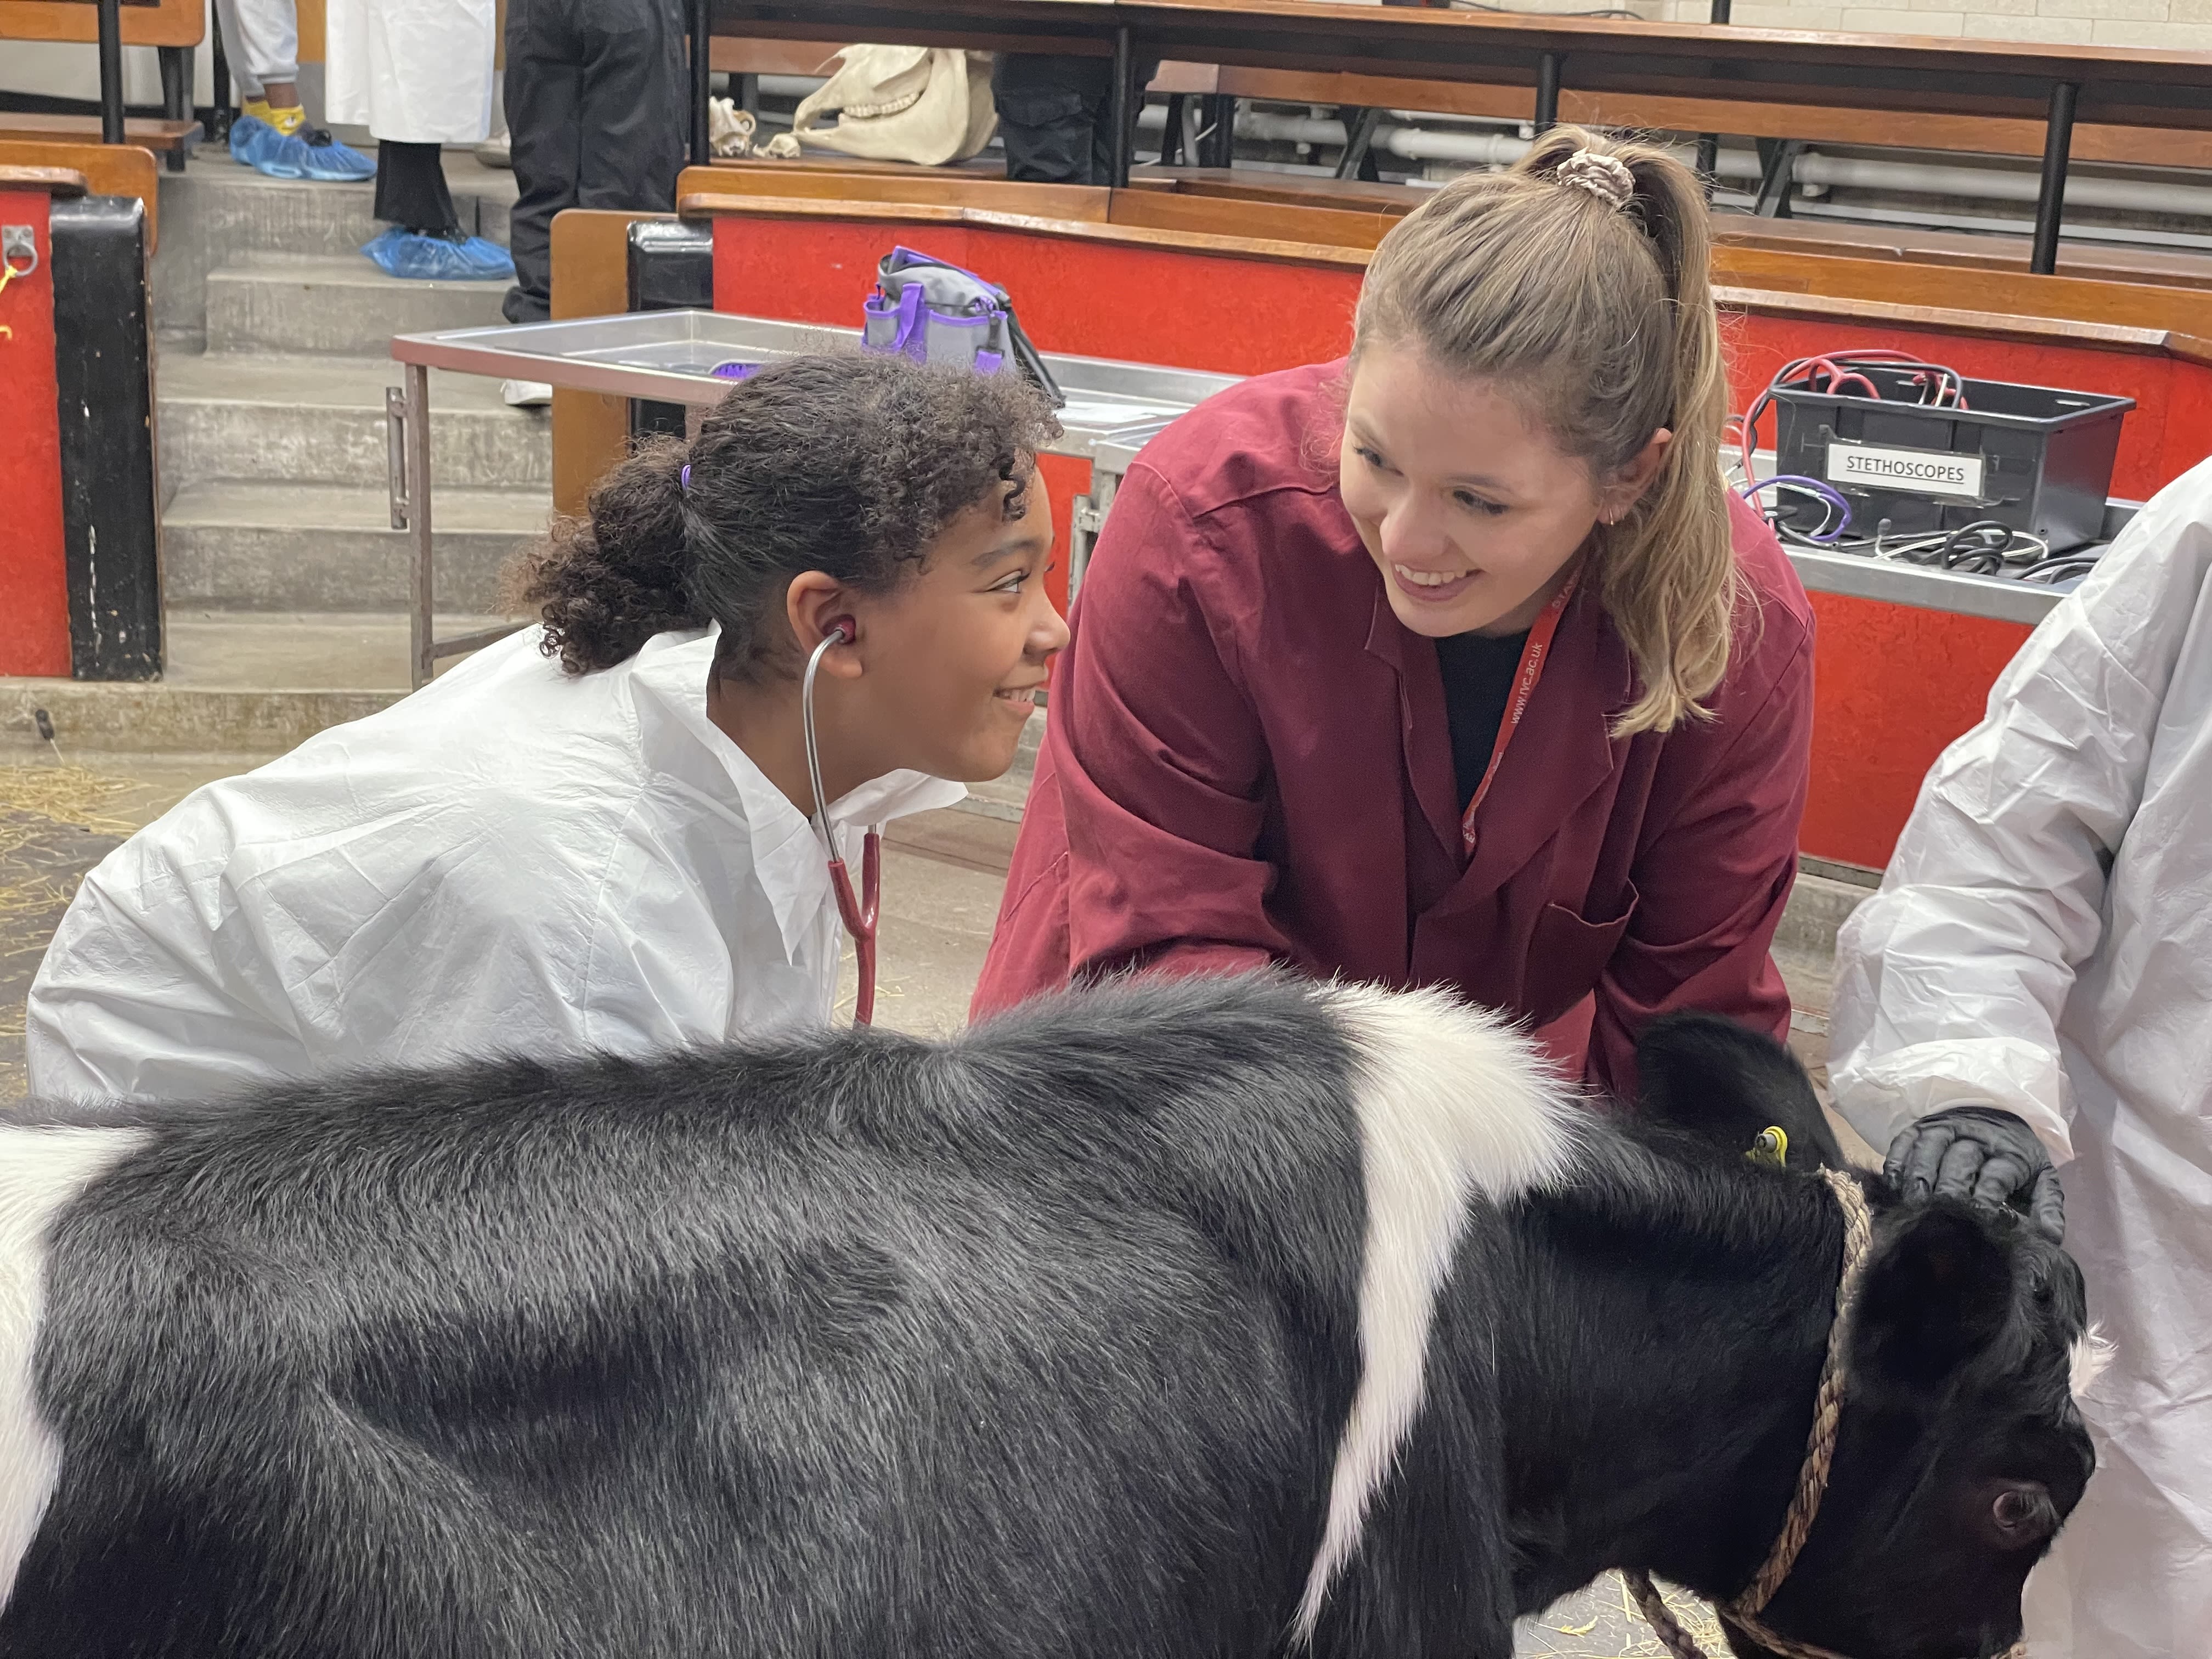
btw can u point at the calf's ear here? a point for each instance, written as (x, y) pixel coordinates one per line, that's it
(1727, 1084)
(1937, 1293)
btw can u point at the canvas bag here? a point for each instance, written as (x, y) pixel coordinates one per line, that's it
(926, 103)
(937, 313)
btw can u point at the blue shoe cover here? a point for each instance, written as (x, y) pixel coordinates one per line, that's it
(253, 143)
(323, 157)
(310, 153)
(435, 259)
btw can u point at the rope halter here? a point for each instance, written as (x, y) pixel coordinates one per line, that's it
(1743, 1613)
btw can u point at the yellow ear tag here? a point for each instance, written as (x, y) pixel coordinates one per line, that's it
(1772, 1146)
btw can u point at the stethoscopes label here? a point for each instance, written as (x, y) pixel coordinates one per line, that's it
(1911, 472)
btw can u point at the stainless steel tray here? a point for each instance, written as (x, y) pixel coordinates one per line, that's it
(670, 357)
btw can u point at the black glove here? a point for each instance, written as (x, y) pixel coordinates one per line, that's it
(1984, 1155)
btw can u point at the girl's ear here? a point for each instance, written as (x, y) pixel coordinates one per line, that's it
(1629, 484)
(814, 604)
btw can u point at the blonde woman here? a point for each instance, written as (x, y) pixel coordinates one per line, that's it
(1453, 662)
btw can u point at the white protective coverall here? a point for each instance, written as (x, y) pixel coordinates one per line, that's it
(511, 860)
(2043, 941)
(414, 71)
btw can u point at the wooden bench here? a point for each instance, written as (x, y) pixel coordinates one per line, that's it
(172, 27)
(1545, 57)
(105, 169)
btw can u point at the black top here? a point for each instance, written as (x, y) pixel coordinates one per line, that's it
(1478, 672)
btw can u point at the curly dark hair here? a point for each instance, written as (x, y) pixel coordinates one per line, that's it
(849, 464)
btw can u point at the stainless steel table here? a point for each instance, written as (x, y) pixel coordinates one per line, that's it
(670, 356)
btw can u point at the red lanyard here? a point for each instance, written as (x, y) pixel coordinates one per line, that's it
(1524, 686)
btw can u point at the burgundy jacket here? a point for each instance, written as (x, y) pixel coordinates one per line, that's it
(1248, 761)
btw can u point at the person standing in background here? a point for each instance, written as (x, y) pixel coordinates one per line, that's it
(271, 134)
(597, 101)
(1056, 116)
(418, 75)
(596, 104)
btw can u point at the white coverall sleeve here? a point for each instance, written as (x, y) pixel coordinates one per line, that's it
(1950, 982)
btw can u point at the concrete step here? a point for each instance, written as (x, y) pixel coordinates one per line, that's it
(216, 211)
(314, 420)
(337, 304)
(244, 546)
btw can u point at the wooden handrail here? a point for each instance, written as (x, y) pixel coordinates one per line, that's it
(2135, 317)
(706, 206)
(55, 181)
(2123, 86)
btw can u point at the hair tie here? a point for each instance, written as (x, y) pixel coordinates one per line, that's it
(1605, 177)
(684, 479)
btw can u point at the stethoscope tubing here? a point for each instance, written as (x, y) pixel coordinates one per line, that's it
(859, 913)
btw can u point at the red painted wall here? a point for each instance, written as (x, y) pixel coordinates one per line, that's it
(1892, 686)
(1094, 300)
(35, 635)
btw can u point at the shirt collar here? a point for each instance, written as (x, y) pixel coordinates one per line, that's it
(669, 681)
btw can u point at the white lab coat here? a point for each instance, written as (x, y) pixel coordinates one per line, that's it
(414, 71)
(511, 860)
(2043, 941)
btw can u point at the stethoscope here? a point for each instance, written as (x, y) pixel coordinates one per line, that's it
(859, 914)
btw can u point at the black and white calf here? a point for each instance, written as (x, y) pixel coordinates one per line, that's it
(1203, 1318)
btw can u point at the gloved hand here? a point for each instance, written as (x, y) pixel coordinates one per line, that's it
(1984, 1155)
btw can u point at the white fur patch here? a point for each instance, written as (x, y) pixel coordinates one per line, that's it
(2093, 1351)
(1452, 1101)
(40, 1171)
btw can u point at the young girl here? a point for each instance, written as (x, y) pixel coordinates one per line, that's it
(1455, 663)
(594, 835)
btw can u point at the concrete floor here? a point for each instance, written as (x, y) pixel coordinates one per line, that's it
(943, 875)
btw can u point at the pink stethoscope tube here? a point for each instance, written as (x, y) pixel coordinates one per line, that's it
(858, 913)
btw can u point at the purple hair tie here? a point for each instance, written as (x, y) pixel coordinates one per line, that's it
(683, 479)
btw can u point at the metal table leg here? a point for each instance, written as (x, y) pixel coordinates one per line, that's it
(1547, 92)
(1216, 147)
(1358, 139)
(111, 71)
(2051, 200)
(1121, 108)
(1709, 143)
(407, 455)
(176, 64)
(407, 461)
(702, 70)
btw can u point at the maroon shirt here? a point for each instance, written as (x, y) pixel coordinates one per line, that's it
(1248, 761)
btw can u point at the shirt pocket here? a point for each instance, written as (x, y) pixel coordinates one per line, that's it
(1568, 954)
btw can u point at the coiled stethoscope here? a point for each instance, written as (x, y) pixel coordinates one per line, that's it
(859, 914)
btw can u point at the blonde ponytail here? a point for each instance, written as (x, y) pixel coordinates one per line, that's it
(1581, 280)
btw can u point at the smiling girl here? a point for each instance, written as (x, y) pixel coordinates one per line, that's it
(594, 835)
(1453, 663)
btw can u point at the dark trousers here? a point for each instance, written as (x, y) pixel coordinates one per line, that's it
(597, 116)
(410, 188)
(1056, 116)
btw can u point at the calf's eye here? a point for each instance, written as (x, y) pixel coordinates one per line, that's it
(2022, 1512)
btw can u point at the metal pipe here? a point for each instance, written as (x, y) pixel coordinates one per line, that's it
(111, 71)
(2050, 192)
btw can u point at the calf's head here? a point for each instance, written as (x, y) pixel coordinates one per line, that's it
(1961, 1452)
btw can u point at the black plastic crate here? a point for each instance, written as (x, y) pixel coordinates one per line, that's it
(2031, 457)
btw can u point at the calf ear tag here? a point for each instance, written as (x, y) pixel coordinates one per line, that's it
(1772, 1147)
